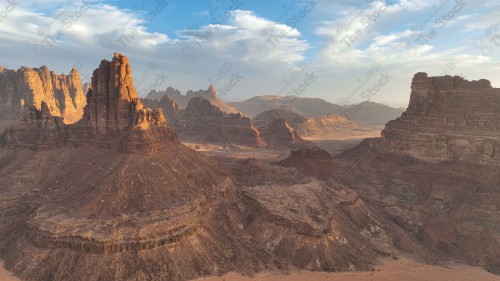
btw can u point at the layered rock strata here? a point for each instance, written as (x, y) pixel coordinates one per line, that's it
(448, 118)
(113, 114)
(203, 121)
(435, 169)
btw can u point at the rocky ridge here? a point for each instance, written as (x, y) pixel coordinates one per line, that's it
(312, 126)
(435, 169)
(448, 118)
(113, 114)
(205, 122)
(366, 113)
(182, 101)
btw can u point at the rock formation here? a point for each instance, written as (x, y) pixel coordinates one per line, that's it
(312, 126)
(448, 118)
(83, 210)
(171, 92)
(264, 118)
(435, 169)
(168, 105)
(313, 162)
(203, 121)
(182, 101)
(38, 130)
(113, 114)
(279, 133)
(112, 98)
(62, 94)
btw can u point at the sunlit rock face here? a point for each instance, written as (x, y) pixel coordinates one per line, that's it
(113, 118)
(26, 87)
(448, 118)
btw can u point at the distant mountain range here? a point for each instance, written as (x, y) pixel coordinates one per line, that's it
(364, 113)
(183, 100)
(367, 113)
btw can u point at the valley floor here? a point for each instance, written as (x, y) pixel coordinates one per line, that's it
(6, 275)
(389, 270)
(333, 143)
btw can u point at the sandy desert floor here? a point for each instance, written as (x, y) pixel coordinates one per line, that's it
(6, 275)
(402, 270)
(333, 143)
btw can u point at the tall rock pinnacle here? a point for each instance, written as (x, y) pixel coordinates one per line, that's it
(112, 97)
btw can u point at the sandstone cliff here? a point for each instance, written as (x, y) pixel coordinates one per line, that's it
(202, 121)
(448, 118)
(279, 133)
(113, 115)
(266, 117)
(38, 130)
(313, 162)
(167, 104)
(62, 94)
(171, 92)
(435, 169)
(312, 126)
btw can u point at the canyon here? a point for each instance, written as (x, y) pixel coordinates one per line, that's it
(117, 195)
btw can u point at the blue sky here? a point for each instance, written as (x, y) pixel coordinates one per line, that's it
(335, 50)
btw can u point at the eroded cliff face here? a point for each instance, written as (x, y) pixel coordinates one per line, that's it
(114, 117)
(38, 130)
(203, 121)
(448, 118)
(26, 87)
(435, 170)
(279, 133)
(182, 101)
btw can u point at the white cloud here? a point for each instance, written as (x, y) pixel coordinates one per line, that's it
(263, 51)
(253, 38)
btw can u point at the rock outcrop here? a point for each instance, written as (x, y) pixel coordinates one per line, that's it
(205, 122)
(267, 117)
(182, 101)
(26, 87)
(317, 126)
(167, 105)
(313, 162)
(113, 114)
(38, 130)
(171, 92)
(448, 119)
(279, 133)
(435, 169)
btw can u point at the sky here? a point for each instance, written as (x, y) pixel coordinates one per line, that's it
(342, 51)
